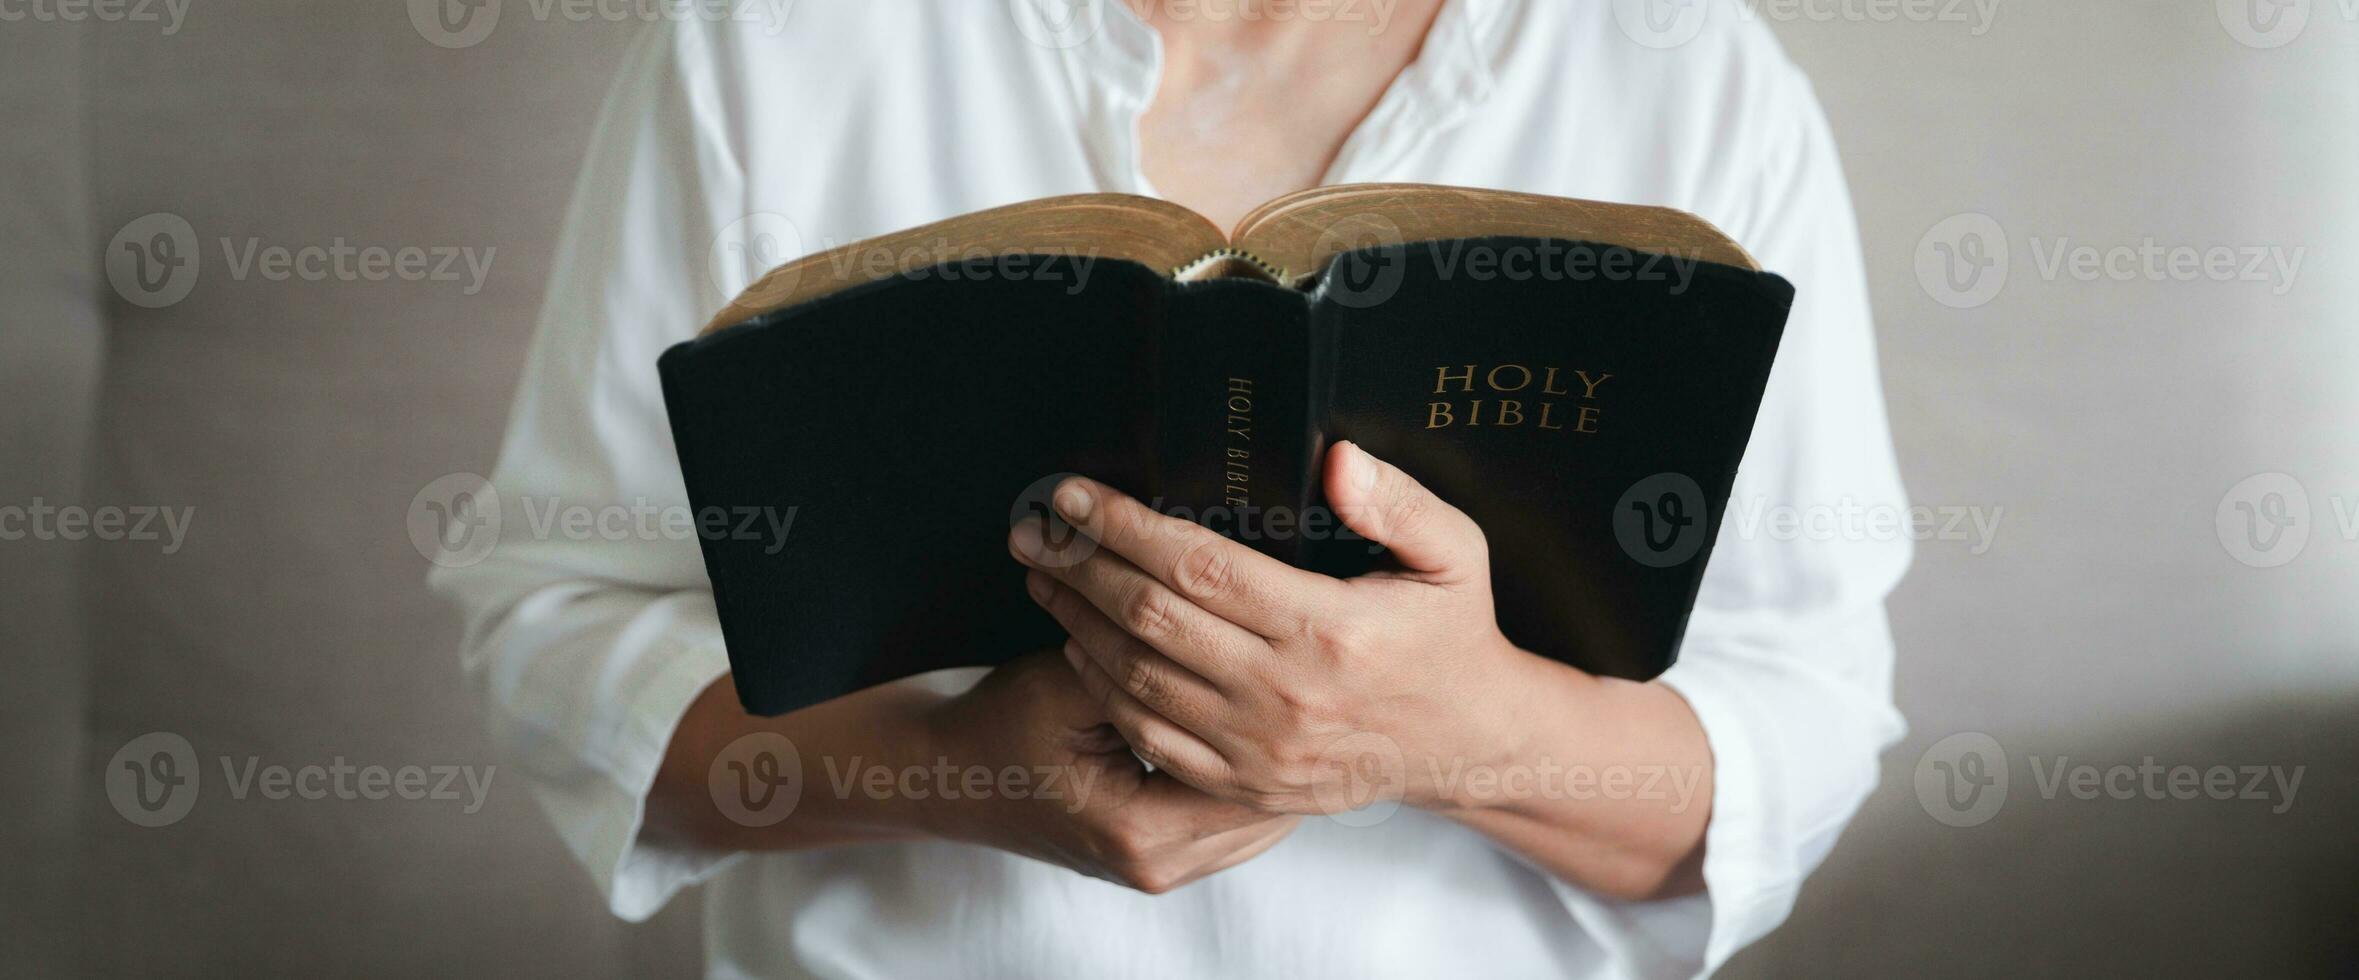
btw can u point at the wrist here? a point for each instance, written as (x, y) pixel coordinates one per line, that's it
(855, 757)
(1514, 693)
(939, 733)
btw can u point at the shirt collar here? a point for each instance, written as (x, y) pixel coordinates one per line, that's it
(1114, 60)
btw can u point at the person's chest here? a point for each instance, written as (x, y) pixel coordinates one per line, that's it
(977, 119)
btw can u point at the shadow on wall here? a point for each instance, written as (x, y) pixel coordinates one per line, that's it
(2050, 883)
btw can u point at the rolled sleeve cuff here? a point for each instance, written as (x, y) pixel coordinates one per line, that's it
(1751, 869)
(600, 815)
(1749, 882)
(1760, 843)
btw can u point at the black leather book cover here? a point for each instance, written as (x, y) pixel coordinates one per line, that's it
(1586, 404)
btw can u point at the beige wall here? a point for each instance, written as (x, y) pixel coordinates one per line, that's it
(2109, 624)
(51, 335)
(2098, 423)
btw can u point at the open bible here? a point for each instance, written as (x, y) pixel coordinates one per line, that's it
(1581, 378)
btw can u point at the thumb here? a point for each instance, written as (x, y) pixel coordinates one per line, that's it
(1381, 503)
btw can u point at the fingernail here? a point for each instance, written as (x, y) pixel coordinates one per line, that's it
(1037, 584)
(1073, 654)
(1074, 501)
(1362, 466)
(1027, 542)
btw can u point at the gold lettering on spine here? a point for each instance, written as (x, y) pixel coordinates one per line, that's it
(1237, 462)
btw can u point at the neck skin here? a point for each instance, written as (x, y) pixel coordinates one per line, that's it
(1280, 27)
(1258, 98)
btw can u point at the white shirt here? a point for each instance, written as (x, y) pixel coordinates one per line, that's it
(860, 118)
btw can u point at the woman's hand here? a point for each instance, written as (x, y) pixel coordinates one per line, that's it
(1112, 819)
(1298, 693)
(1077, 797)
(1294, 692)
(1284, 689)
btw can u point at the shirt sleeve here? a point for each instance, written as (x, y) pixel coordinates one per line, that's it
(1788, 659)
(590, 623)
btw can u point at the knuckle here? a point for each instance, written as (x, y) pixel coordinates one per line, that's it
(1300, 709)
(1152, 751)
(1128, 852)
(1145, 680)
(1123, 842)
(1339, 641)
(1146, 612)
(1267, 798)
(1272, 786)
(1154, 878)
(1205, 570)
(1304, 632)
(1291, 766)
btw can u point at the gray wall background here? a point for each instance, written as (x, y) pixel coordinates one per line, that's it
(2099, 423)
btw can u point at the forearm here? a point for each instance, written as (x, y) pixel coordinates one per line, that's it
(884, 725)
(1607, 785)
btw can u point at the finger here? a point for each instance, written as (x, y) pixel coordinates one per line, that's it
(1230, 580)
(1217, 650)
(1192, 836)
(1158, 682)
(1391, 508)
(1159, 741)
(1244, 844)
(1225, 851)
(1194, 814)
